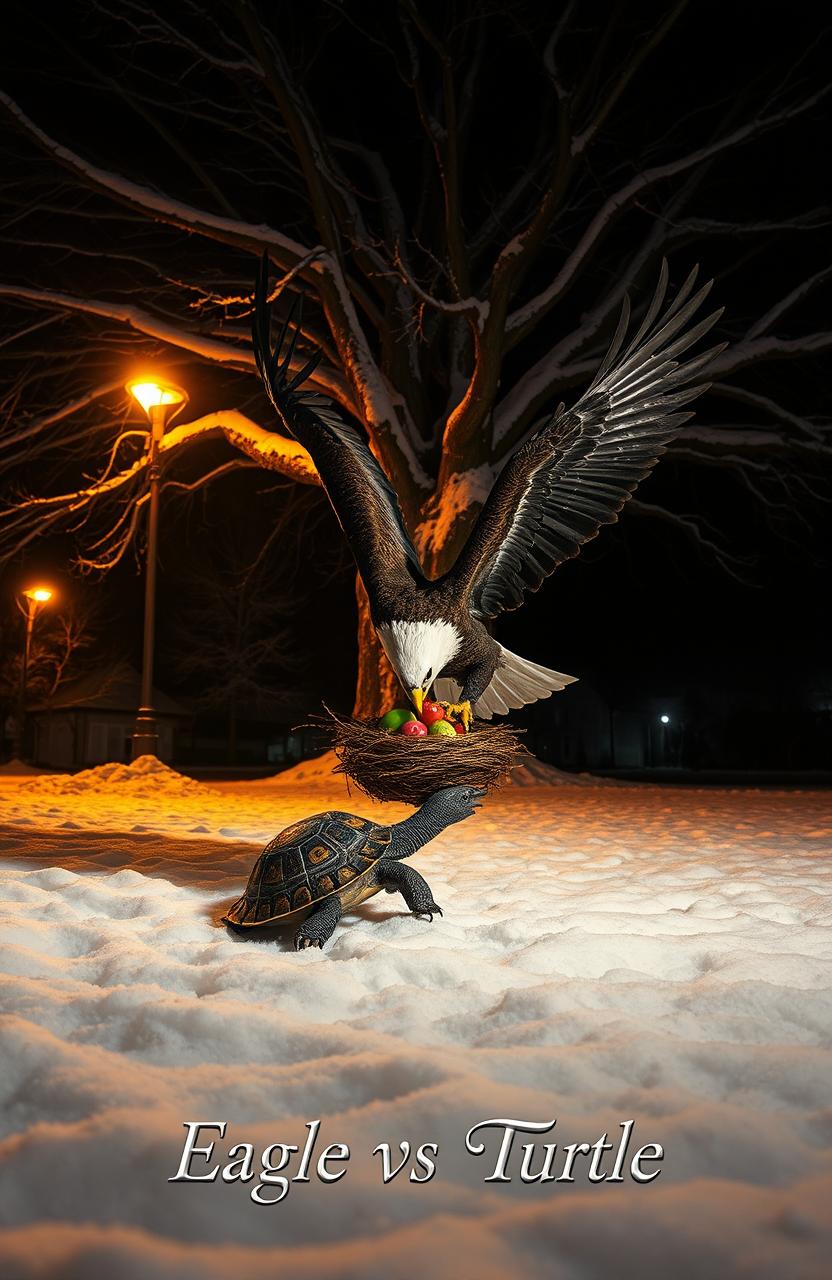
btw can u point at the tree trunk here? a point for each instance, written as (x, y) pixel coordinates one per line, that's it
(376, 688)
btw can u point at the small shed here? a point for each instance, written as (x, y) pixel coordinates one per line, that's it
(92, 721)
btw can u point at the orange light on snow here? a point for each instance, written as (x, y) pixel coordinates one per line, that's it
(40, 595)
(151, 394)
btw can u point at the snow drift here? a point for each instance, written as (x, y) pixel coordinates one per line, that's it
(605, 954)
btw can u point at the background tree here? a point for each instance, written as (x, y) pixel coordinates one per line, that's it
(230, 640)
(464, 192)
(65, 646)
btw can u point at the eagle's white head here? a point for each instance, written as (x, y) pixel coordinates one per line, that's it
(418, 653)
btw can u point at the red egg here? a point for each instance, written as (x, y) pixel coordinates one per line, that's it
(414, 729)
(431, 712)
(459, 726)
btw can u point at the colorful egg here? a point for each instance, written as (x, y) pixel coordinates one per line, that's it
(431, 713)
(394, 719)
(442, 729)
(414, 729)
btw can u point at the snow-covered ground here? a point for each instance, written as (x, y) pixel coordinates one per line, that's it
(607, 953)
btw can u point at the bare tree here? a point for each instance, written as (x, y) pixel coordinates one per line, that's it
(231, 636)
(62, 651)
(461, 285)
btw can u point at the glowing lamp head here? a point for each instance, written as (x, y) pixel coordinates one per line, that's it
(39, 595)
(152, 395)
(665, 719)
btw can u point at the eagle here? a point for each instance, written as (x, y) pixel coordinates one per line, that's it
(570, 477)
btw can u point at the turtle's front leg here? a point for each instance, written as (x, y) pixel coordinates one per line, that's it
(319, 926)
(396, 877)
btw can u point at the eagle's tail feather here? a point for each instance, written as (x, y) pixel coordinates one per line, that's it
(515, 683)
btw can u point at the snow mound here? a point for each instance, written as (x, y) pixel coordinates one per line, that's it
(19, 768)
(534, 773)
(146, 776)
(317, 771)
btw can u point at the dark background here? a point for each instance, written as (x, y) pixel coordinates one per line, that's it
(645, 612)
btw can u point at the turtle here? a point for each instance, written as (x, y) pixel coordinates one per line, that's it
(321, 866)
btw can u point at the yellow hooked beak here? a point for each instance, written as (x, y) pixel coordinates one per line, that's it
(417, 697)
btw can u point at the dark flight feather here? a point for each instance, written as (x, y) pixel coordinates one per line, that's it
(575, 474)
(363, 498)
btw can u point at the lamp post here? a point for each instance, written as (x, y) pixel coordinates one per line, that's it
(160, 402)
(664, 721)
(36, 597)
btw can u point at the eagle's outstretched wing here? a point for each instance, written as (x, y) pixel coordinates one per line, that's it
(578, 470)
(363, 498)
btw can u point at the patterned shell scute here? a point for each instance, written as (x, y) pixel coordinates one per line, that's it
(312, 858)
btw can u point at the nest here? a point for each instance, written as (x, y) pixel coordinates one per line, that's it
(388, 766)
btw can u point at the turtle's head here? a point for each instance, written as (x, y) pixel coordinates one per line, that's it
(452, 804)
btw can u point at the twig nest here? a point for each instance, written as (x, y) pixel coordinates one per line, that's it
(396, 766)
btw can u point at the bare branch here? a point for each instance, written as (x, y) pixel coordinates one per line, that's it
(792, 298)
(270, 450)
(692, 529)
(137, 319)
(751, 350)
(445, 141)
(230, 231)
(813, 220)
(32, 429)
(550, 62)
(526, 316)
(767, 406)
(150, 326)
(582, 140)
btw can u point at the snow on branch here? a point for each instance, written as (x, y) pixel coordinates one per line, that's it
(139, 320)
(527, 315)
(324, 378)
(270, 450)
(31, 516)
(813, 220)
(230, 231)
(474, 308)
(750, 350)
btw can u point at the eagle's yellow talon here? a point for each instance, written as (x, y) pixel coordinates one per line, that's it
(461, 709)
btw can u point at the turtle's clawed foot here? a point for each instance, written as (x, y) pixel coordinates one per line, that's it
(429, 910)
(302, 942)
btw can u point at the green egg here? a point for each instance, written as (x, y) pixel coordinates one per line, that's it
(394, 719)
(442, 729)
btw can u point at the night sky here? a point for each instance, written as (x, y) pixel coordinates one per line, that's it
(645, 610)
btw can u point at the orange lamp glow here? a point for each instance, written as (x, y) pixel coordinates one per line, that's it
(40, 595)
(151, 395)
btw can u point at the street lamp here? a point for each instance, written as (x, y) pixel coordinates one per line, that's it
(36, 598)
(160, 401)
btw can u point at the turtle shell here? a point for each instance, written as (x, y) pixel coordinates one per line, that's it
(330, 853)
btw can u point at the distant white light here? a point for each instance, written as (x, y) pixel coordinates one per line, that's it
(665, 719)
